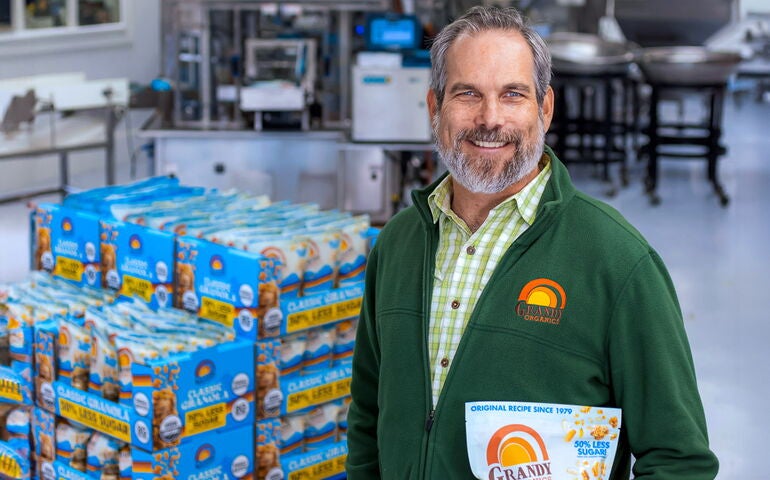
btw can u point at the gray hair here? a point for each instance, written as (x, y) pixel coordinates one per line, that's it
(479, 19)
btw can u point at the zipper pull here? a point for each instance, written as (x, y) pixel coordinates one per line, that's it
(429, 422)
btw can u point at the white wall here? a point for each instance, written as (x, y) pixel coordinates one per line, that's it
(136, 57)
(134, 54)
(754, 6)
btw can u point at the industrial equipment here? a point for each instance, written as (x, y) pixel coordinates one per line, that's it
(281, 77)
(389, 104)
(390, 83)
(219, 56)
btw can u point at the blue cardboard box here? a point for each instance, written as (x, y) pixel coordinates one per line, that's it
(324, 308)
(174, 401)
(60, 471)
(44, 434)
(216, 456)
(227, 286)
(14, 461)
(326, 464)
(302, 393)
(138, 262)
(66, 243)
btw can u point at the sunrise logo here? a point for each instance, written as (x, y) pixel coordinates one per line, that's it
(66, 225)
(345, 244)
(64, 337)
(542, 300)
(312, 251)
(274, 253)
(217, 264)
(517, 452)
(135, 243)
(204, 455)
(204, 371)
(125, 359)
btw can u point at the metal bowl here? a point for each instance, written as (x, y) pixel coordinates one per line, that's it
(589, 54)
(687, 65)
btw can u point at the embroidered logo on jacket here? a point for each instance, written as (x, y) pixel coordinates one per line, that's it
(517, 452)
(542, 300)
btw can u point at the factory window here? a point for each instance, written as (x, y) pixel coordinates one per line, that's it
(92, 12)
(52, 15)
(45, 13)
(5, 15)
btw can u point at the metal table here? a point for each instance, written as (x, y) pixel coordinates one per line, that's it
(49, 135)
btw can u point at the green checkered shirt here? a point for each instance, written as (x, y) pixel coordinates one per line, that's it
(465, 261)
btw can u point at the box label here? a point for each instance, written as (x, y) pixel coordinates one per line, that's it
(217, 311)
(326, 469)
(69, 269)
(318, 395)
(136, 287)
(96, 420)
(9, 467)
(323, 315)
(205, 419)
(10, 390)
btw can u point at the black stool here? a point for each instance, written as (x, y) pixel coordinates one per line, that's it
(701, 139)
(593, 119)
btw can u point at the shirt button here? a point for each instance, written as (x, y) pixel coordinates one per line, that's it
(470, 250)
(444, 362)
(455, 304)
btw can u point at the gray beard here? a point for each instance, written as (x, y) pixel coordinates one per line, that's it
(476, 174)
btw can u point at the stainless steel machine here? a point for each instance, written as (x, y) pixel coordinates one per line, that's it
(238, 65)
(280, 81)
(390, 83)
(215, 51)
(389, 104)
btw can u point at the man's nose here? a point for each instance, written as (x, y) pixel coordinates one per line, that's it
(490, 114)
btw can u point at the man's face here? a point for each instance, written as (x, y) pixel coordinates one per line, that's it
(489, 129)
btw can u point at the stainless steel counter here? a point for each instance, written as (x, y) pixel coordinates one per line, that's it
(319, 166)
(53, 135)
(153, 129)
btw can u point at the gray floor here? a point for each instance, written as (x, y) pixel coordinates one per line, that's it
(720, 263)
(717, 257)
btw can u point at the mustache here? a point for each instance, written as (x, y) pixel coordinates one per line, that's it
(484, 134)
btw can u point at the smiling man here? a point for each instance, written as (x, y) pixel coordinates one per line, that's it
(504, 284)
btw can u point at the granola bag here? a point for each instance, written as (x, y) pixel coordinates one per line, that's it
(540, 441)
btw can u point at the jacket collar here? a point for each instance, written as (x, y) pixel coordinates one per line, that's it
(558, 191)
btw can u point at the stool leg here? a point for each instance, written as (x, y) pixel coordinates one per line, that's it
(652, 152)
(607, 135)
(715, 149)
(64, 177)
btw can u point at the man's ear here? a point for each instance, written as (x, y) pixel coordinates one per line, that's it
(547, 108)
(432, 104)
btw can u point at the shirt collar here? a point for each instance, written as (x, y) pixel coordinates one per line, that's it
(440, 199)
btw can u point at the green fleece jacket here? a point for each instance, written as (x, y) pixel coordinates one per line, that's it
(613, 336)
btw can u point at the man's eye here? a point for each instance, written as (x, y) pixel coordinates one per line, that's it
(512, 94)
(468, 93)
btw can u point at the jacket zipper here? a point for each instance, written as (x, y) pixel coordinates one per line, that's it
(507, 257)
(427, 292)
(429, 421)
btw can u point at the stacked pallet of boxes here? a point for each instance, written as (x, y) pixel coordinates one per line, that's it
(23, 307)
(190, 389)
(112, 385)
(16, 393)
